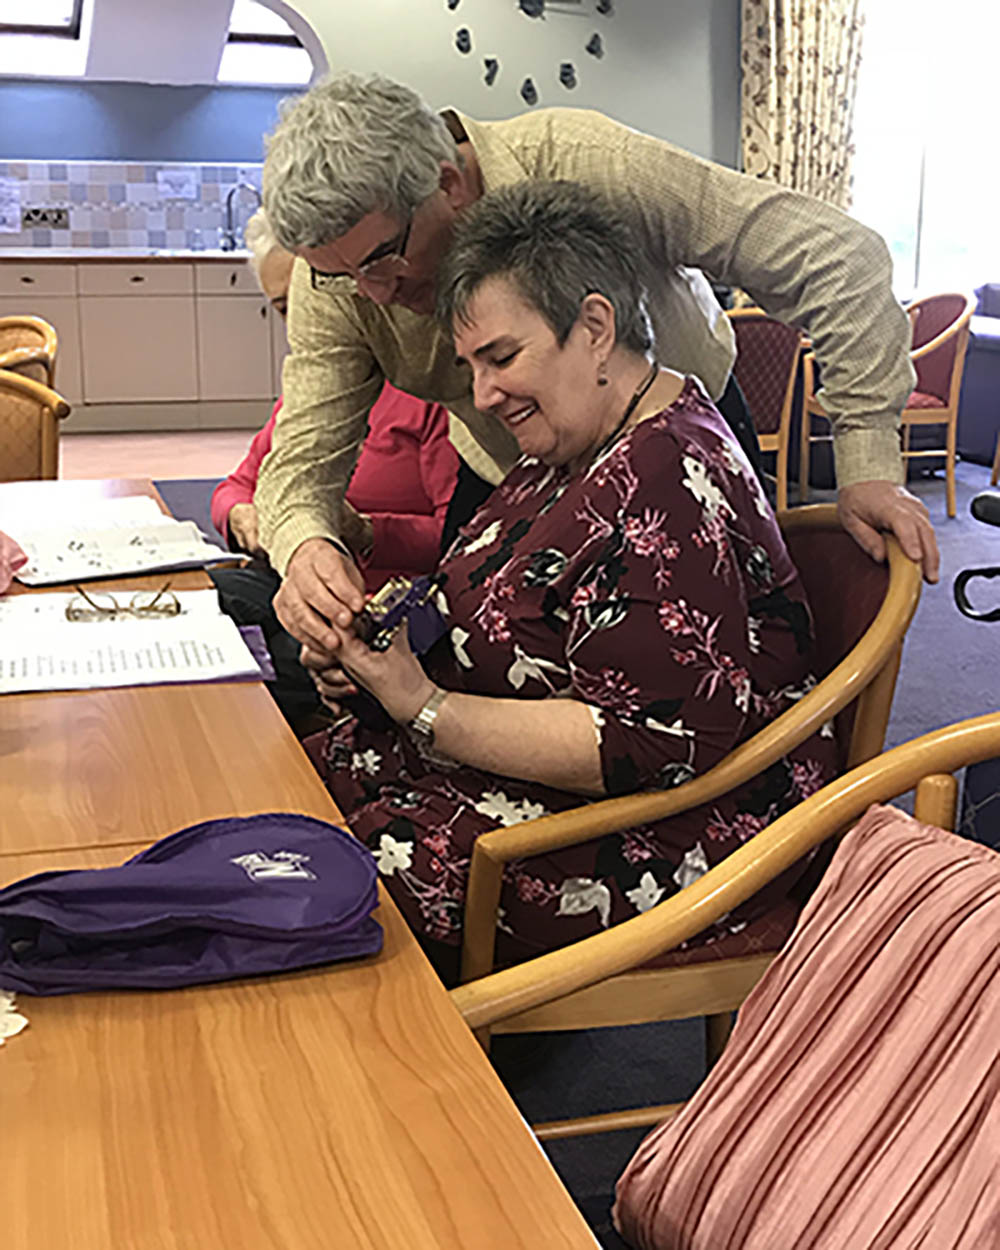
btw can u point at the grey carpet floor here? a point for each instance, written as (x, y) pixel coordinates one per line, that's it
(949, 672)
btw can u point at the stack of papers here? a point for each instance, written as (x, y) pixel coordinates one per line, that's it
(119, 537)
(42, 650)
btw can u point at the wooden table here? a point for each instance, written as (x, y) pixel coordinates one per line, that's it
(347, 1107)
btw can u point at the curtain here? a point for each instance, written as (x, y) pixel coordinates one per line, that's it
(800, 62)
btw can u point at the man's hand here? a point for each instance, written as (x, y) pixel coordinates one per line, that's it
(319, 596)
(243, 530)
(867, 509)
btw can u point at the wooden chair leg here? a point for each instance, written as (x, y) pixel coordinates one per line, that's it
(995, 475)
(949, 467)
(717, 1031)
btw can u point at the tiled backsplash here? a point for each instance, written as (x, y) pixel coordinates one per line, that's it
(119, 204)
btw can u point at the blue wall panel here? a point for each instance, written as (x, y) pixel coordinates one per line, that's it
(43, 120)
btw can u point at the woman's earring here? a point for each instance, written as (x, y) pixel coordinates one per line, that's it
(602, 377)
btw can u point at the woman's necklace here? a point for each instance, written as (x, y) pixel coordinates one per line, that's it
(633, 403)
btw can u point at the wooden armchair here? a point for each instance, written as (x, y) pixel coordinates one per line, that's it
(30, 413)
(28, 346)
(767, 363)
(926, 763)
(624, 976)
(940, 328)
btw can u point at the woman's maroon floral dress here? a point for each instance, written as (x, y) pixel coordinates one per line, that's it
(655, 588)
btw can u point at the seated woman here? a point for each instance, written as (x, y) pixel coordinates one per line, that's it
(622, 610)
(399, 495)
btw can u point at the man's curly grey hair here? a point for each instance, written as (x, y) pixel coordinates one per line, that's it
(556, 242)
(351, 146)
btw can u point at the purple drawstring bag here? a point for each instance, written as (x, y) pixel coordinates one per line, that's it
(227, 898)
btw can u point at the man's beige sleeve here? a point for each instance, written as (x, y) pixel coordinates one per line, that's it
(811, 265)
(803, 261)
(330, 382)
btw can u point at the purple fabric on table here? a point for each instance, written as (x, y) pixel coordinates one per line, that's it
(238, 897)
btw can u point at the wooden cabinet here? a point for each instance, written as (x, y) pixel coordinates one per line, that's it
(155, 344)
(234, 334)
(138, 333)
(48, 291)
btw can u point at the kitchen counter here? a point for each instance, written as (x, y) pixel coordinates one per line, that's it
(112, 254)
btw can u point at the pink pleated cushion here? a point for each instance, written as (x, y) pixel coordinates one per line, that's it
(857, 1105)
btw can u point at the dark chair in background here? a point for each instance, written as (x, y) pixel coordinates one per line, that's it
(767, 359)
(940, 328)
(979, 405)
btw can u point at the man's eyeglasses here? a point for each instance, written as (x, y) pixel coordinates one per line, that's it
(379, 270)
(103, 606)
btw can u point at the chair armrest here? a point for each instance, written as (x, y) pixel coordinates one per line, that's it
(30, 389)
(17, 357)
(748, 869)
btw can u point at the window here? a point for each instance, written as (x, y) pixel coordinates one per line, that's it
(48, 17)
(253, 23)
(926, 175)
(262, 48)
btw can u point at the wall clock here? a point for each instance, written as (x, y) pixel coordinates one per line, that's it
(591, 44)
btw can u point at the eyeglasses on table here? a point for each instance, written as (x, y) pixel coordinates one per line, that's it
(104, 606)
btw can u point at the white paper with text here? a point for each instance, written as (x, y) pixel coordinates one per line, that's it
(41, 650)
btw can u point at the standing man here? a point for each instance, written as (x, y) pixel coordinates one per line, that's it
(363, 182)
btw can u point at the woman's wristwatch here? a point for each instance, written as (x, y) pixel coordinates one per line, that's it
(421, 727)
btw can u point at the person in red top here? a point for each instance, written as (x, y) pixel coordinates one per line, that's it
(398, 498)
(406, 509)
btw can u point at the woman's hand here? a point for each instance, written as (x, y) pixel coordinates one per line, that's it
(394, 677)
(332, 683)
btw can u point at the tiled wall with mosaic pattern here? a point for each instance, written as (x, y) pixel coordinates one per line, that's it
(115, 204)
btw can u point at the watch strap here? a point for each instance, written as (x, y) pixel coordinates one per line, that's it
(422, 725)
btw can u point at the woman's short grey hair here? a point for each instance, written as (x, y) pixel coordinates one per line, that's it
(260, 240)
(351, 146)
(556, 242)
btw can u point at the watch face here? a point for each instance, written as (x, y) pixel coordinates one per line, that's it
(565, 75)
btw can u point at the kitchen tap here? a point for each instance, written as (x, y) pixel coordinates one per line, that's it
(228, 242)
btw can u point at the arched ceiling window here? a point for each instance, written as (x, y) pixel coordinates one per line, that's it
(262, 48)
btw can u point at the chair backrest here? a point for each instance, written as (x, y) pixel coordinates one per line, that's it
(767, 356)
(28, 346)
(29, 428)
(846, 589)
(943, 317)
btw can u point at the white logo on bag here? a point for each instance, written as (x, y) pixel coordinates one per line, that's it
(285, 864)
